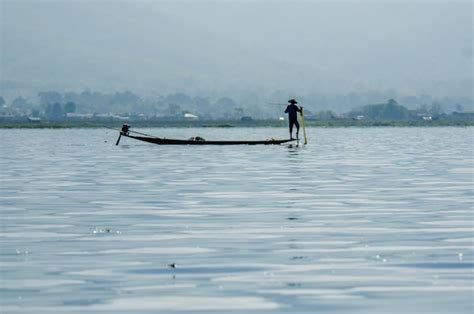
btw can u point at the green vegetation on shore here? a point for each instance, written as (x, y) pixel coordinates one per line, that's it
(233, 123)
(95, 110)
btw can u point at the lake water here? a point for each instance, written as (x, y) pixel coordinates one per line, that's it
(375, 220)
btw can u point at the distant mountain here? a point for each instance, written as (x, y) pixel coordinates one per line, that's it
(159, 47)
(68, 45)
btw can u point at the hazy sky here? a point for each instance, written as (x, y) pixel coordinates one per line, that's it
(154, 47)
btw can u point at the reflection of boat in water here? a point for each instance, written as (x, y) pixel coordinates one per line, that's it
(125, 131)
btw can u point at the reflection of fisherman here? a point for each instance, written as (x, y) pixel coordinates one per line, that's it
(292, 111)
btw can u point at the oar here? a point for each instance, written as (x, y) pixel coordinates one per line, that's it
(118, 140)
(302, 124)
(120, 133)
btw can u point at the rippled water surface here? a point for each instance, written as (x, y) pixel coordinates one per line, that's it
(360, 220)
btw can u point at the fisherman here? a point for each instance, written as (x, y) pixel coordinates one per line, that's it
(292, 111)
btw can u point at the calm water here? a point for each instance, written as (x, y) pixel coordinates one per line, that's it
(360, 220)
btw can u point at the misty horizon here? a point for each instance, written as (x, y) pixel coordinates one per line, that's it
(225, 48)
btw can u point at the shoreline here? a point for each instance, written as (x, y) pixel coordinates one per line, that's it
(340, 123)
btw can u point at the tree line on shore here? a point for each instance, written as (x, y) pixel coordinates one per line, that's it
(55, 106)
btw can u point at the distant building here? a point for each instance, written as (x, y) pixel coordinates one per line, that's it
(190, 117)
(73, 115)
(111, 116)
(34, 119)
(121, 118)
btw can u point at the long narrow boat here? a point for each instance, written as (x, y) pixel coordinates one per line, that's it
(125, 131)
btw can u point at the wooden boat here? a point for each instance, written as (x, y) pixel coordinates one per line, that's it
(125, 131)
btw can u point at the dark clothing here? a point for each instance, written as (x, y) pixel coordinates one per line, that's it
(294, 122)
(292, 111)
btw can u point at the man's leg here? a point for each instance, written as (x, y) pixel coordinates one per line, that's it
(297, 129)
